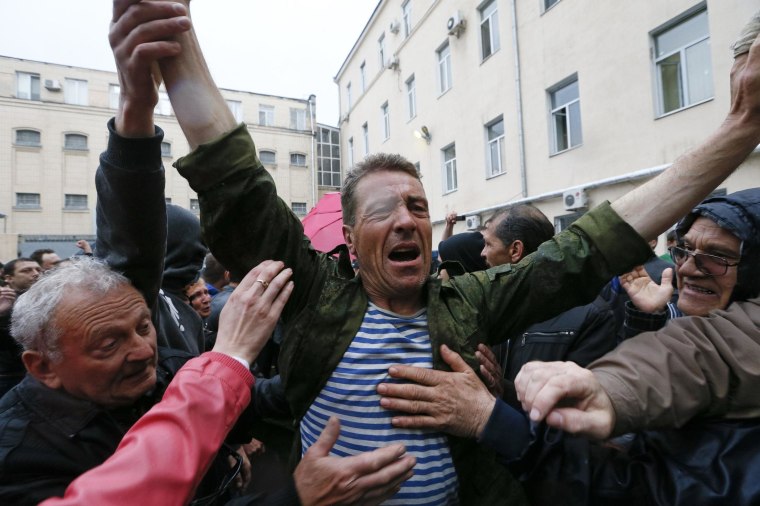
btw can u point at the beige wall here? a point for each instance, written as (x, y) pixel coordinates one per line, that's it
(52, 171)
(606, 44)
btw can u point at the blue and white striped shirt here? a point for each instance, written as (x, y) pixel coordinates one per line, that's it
(384, 339)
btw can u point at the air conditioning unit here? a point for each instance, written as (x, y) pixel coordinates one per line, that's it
(394, 26)
(53, 84)
(575, 199)
(455, 24)
(392, 63)
(472, 222)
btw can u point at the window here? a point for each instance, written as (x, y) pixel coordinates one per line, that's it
(444, 68)
(348, 95)
(114, 91)
(351, 152)
(682, 61)
(75, 201)
(365, 134)
(328, 157)
(495, 135)
(449, 169)
(168, 200)
(164, 106)
(298, 159)
(236, 108)
(406, 17)
(28, 200)
(266, 115)
(28, 138)
(381, 51)
(268, 157)
(564, 221)
(298, 119)
(75, 141)
(549, 3)
(411, 98)
(166, 149)
(75, 92)
(299, 208)
(386, 121)
(565, 117)
(27, 86)
(489, 29)
(363, 75)
(195, 206)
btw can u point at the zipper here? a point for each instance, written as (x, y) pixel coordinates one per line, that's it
(546, 337)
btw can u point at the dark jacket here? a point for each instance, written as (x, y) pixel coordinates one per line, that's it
(240, 209)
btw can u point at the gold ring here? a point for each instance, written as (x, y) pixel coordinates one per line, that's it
(263, 283)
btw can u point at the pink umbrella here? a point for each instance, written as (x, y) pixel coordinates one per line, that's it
(324, 223)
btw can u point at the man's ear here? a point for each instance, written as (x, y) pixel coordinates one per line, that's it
(516, 250)
(348, 237)
(39, 366)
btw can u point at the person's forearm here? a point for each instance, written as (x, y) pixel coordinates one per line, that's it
(689, 180)
(200, 108)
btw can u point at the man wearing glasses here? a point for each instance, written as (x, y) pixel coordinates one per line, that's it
(716, 258)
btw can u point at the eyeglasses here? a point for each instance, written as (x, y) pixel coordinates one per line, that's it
(710, 265)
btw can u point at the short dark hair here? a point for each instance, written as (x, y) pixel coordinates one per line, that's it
(9, 269)
(373, 163)
(213, 270)
(37, 255)
(525, 223)
(671, 236)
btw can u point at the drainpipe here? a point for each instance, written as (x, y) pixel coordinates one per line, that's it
(312, 106)
(518, 104)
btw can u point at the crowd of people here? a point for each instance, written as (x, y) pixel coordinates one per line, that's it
(535, 368)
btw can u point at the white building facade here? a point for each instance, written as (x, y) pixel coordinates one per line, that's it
(53, 129)
(561, 103)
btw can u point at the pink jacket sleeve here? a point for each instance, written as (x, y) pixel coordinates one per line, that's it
(165, 454)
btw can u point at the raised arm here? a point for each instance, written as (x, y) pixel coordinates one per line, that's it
(200, 108)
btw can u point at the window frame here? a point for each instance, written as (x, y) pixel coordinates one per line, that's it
(449, 165)
(500, 142)
(26, 144)
(411, 98)
(348, 96)
(548, 4)
(75, 91)
(268, 152)
(489, 21)
(296, 117)
(166, 153)
(195, 205)
(406, 17)
(363, 76)
(350, 153)
(114, 95)
(299, 204)
(683, 61)
(266, 113)
(443, 55)
(23, 205)
(385, 120)
(556, 110)
(33, 78)
(381, 50)
(296, 154)
(69, 205)
(236, 108)
(75, 135)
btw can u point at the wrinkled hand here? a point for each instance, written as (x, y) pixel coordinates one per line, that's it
(490, 370)
(252, 311)
(254, 447)
(451, 219)
(139, 36)
(84, 246)
(243, 479)
(455, 402)
(568, 396)
(745, 86)
(7, 299)
(365, 479)
(644, 292)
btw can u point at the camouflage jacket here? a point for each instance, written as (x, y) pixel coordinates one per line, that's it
(245, 222)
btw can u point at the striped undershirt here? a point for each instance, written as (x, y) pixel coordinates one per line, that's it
(384, 339)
